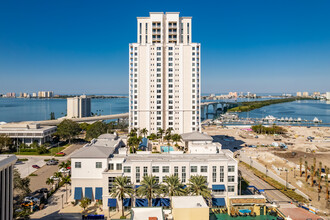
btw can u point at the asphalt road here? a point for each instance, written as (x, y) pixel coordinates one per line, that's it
(271, 193)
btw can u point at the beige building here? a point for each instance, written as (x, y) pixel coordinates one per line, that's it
(164, 75)
(189, 207)
(78, 107)
(305, 94)
(6, 186)
(299, 94)
(45, 94)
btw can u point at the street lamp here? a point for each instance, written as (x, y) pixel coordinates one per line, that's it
(286, 179)
(266, 170)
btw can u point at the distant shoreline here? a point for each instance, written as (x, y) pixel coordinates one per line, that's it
(71, 96)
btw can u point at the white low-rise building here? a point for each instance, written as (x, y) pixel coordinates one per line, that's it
(28, 133)
(95, 167)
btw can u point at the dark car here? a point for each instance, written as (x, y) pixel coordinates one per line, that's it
(42, 190)
(35, 166)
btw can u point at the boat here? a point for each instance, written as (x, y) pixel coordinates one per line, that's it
(316, 120)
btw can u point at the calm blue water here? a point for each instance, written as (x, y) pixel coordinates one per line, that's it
(305, 109)
(13, 110)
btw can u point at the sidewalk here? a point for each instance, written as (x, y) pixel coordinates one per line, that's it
(55, 204)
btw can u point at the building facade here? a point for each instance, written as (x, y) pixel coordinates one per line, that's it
(95, 167)
(164, 75)
(28, 133)
(78, 107)
(6, 186)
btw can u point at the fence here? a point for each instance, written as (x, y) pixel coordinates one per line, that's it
(250, 161)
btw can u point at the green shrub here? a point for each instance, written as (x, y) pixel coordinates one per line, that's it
(122, 217)
(33, 174)
(23, 159)
(28, 150)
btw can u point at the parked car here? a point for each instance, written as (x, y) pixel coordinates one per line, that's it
(60, 153)
(63, 170)
(52, 162)
(35, 166)
(42, 190)
(54, 178)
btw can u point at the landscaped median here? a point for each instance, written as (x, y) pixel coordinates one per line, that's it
(288, 192)
(34, 151)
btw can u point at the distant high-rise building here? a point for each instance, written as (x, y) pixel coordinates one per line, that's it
(164, 75)
(11, 95)
(328, 96)
(305, 94)
(34, 95)
(299, 94)
(78, 107)
(6, 186)
(45, 94)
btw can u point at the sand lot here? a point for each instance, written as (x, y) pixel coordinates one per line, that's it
(277, 159)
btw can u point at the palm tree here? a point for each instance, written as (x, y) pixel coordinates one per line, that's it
(306, 168)
(198, 186)
(122, 188)
(319, 178)
(149, 188)
(169, 131)
(168, 137)
(63, 164)
(312, 176)
(176, 138)
(66, 180)
(144, 131)
(326, 183)
(300, 166)
(314, 164)
(161, 132)
(84, 202)
(50, 181)
(59, 176)
(173, 187)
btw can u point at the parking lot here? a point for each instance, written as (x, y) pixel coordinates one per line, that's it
(25, 168)
(44, 171)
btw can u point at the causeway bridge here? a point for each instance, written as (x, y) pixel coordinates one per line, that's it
(218, 107)
(84, 119)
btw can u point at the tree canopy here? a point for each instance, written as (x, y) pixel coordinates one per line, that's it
(68, 129)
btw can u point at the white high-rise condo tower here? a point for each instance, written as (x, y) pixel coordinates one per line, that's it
(164, 75)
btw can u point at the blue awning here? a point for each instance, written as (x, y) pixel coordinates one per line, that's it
(218, 187)
(112, 202)
(161, 202)
(218, 202)
(141, 202)
(184, 186)
(137, 186)
(77, 193)
(127, 202)
(98, 193)
(89, 192)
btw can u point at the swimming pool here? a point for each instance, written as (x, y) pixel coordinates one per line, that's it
(166, 148)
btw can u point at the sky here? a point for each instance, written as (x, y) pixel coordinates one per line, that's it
(77, 46)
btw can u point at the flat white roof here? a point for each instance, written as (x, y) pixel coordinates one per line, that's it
(143, 213)
(7, 160)
(188, 202)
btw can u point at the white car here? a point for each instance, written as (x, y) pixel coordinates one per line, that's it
(54, 178)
